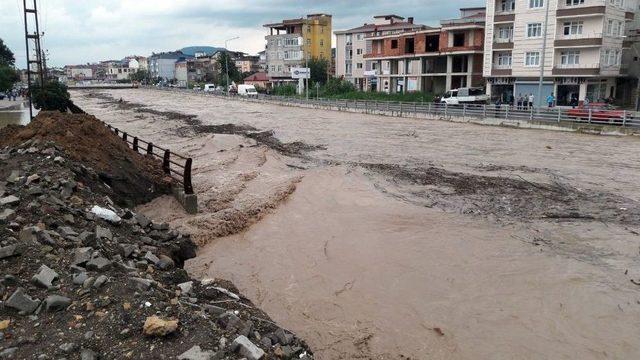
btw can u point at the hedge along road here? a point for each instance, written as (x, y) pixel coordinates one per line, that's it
(420, 238)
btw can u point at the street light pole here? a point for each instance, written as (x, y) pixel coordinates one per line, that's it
(544, 48)
(226, 60)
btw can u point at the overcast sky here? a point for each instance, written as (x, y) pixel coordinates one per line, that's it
(81, 31)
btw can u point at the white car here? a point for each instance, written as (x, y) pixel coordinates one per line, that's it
(465, 96)
(247, 90)
(209, 87)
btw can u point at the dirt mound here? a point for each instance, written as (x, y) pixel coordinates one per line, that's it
(505, 196)
(134, 178)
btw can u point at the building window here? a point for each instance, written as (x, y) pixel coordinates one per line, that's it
(570, 57)
(359, 36)
(394, 44)
(532, 58)
(321, 42)
(574, 2)
(505, 33)
(534, 30)
(291, 42)
(536, 4)
(348, 39)
(610, 57)
(507, 5)
(573, 27)
(308, 29)
(458, 39)
(359, 65)
(504, 60)
(359, 51)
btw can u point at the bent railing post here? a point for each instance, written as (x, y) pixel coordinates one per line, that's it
(188, 188)
(150, 149)
(135, 143)
(166, 162)
(124, 136)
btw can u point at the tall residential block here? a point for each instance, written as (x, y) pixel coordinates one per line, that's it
(429, 59)
(582, 58)
(291, 42)
(351, 47)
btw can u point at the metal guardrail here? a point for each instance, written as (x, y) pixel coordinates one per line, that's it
(183, 177)
(555, 115)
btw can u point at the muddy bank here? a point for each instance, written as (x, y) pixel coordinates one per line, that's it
(505, 197)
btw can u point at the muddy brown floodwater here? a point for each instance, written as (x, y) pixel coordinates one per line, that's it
(383, 238)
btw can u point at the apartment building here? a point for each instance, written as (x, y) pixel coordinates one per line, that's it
(351, 47)
(429, 59)
(247, 63)
(162, 65)
(584, 44)
(293, 41)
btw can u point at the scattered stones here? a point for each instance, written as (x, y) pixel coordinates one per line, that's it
(45, 276)
(196, 353)
(6, 215)
(101, 280)
(67, 348)
(10, 250)
(155, 326)
(99, 264)
(103, 233)
(20, 301)
(82, 255)
(80, 278)
(56, 303)
(8, 353)
(151, 258)
(88, 354)
(142, 220)
(185, 287)
(247, 348)
(9, 200)
(284, 337)
(165, 263)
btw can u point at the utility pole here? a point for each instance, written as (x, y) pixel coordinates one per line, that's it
(226, 60)
(306, 65)
(544, 48)
(32, 14)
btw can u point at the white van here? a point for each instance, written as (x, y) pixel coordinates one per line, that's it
(465, 96)
(209, 87)
(247, 90)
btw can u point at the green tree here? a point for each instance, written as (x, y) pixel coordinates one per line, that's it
(53, 96)
(8, 74)
(6, 55)
(140, 75)
(234, 73)
(8, 77)
(319, 70)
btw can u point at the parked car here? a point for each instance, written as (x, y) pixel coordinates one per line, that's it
(209, 87)
(196, 88)
(465, 96)
(599, 112)
(247, 90)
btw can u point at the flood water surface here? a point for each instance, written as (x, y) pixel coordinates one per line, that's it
(17, 114)
(361, 275)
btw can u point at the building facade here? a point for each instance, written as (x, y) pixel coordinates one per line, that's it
(162, 65)
(583, 54)
(428, 59)
(351, 47)
(247, 63)
(291, 42)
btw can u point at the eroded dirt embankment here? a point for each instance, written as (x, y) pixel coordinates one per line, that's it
(532, 247)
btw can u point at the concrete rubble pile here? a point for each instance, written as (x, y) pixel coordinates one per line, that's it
(82, 278)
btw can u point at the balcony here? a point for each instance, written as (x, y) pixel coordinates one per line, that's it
(581, 11)
(576, 69)
(500, 70)
(501, 17)
(578, 40)
(629, 16)
(462, 48)
(502, 43)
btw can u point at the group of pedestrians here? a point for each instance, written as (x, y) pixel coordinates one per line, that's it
(525, 102)
(12, 95)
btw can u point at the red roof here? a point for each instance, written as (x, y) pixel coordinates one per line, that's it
(259, 76)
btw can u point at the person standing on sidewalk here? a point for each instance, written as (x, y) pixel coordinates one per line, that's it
(550, 100)
(531, 98)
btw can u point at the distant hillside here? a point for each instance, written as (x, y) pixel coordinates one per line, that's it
(192, 50)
